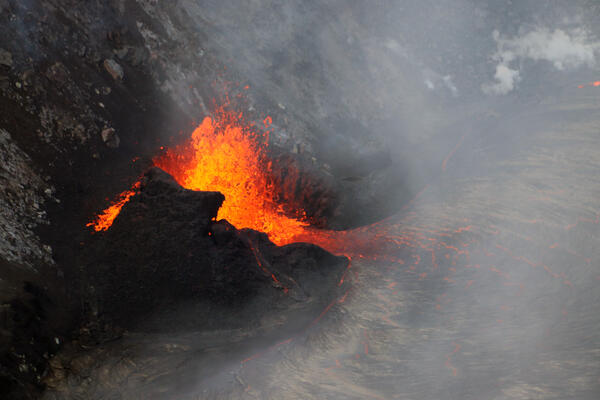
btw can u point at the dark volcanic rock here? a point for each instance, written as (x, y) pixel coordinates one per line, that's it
(114, 69)
(165, 249)
(110, 137)
(304, 187)
(33, 321)
(5, 58)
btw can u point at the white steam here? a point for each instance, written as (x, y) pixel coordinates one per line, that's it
(505, 78)
(562, 49)
(433, 80)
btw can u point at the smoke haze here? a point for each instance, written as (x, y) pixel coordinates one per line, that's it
(564, 50)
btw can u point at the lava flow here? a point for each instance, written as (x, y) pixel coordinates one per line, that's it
(105, 220)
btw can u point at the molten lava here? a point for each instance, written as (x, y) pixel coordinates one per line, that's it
(105, 220)
(595, 84)
(225, 154)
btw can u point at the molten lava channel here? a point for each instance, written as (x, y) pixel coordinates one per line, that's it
(105, 220)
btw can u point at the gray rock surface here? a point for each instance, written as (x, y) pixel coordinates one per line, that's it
(5, 58)
(110, 137)
(114, 69)
(21, 206)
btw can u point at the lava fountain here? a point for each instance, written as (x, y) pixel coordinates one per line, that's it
(227, 155)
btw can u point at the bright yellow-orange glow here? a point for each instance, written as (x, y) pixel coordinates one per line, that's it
(596, 84)
(225, 154)
(105, 220)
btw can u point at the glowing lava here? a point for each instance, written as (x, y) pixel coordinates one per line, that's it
(595, 84)
(105, 220)
(225, 154)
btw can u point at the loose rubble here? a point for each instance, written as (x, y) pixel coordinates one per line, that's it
(5, 58)
(110, 137)
(114, 69)
(20, 206)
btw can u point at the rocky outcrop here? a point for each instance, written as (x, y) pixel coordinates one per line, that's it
(166, 249)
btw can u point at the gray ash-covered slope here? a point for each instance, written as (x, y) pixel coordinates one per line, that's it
(166, 249)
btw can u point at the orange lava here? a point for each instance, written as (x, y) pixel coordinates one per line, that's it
(227, 155)
(595, 84)
(105, 220)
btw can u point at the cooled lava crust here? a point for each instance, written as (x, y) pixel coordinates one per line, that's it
(166, 250)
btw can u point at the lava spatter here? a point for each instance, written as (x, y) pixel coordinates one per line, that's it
(105, 219)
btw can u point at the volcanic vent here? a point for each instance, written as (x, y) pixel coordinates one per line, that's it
(194, 235)
(228, 155)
